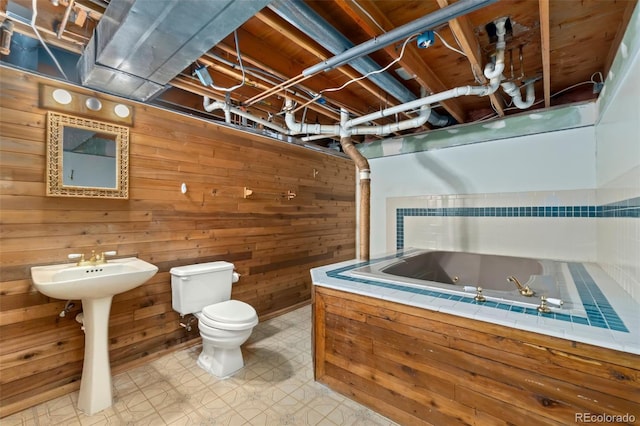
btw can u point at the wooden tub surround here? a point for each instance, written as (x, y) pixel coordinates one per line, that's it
(423, 367)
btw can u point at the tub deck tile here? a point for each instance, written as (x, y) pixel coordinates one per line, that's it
(610, 320)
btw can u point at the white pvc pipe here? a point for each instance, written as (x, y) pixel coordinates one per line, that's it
(344, 130)
(512, 90)
(432, 99)
(425, 112)
(298, 128)
(228, 110)
(352, 127)
(492, 70)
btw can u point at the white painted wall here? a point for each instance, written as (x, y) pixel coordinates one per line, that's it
(618, 163)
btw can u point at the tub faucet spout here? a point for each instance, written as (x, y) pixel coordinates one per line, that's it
(523, 289)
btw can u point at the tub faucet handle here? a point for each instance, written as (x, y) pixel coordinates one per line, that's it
(554, 301)
(543, 307)
(479, 296)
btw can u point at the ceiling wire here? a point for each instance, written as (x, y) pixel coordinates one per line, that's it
(35, 30)
(590, 81)
(449, 46)
(369, 15)
(353, 80)
(237, 86)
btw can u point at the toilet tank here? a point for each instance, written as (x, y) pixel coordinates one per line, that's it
(195, 286)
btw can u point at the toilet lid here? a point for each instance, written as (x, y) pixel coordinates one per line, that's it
(231, 312)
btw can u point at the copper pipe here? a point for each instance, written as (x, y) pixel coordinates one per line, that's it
(365, 193)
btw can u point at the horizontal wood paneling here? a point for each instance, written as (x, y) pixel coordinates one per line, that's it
(273, 242)
(423, 367)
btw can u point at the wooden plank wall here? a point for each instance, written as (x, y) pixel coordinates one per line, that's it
(421, 367)
(272, 242)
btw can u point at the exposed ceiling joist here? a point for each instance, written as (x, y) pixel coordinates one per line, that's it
(545, 48)
(411, 62)
(463, 32)
(567, 43)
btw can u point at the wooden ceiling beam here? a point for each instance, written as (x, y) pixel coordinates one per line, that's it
(463, 31)
(411, 61)
(543, 6)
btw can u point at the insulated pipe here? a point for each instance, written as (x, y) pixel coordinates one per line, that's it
(432, 20)
(512, 90)
(304, 18)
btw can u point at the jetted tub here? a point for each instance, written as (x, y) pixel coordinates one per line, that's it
(462, 273)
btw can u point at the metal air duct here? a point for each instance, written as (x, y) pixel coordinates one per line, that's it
(140, 45)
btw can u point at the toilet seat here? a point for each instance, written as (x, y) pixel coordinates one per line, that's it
(229, 315)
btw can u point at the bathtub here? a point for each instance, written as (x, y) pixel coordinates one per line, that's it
(596, 309)
(499, 277)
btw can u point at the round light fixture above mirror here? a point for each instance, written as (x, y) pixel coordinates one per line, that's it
(93, 104)
(121, 111)
(61, 96)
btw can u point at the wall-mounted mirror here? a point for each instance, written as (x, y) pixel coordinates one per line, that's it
(86, 158)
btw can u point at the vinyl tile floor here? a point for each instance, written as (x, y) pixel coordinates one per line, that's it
(275, 387)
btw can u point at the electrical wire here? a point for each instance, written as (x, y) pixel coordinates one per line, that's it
(237, 86)
(573, 86)
(449, 46)
(369, 15)
(353, 80)
(35, 30)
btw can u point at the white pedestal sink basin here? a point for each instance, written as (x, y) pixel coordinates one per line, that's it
(95, 285)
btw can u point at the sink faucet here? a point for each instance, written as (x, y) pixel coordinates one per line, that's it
(95, 259)
(523, 289)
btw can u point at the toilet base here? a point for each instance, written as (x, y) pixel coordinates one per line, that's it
(220, 362)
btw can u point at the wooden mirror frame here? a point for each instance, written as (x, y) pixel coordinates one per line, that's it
(55, 147)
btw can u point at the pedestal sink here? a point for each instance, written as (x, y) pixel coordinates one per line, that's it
(95, 285)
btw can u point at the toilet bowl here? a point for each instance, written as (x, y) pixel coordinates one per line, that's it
(204, 290)
(224, 327)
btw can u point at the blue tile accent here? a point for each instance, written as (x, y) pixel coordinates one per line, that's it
(625, 208)
(599, 311)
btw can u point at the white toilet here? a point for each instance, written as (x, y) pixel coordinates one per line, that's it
(205, 290)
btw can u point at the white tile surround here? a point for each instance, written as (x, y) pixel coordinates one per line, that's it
(561, 238)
